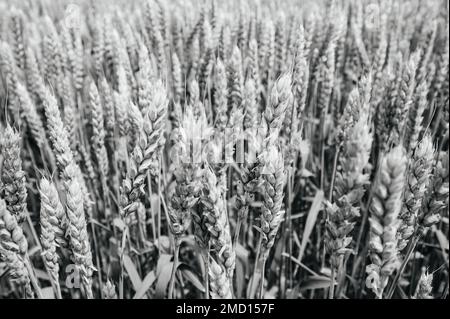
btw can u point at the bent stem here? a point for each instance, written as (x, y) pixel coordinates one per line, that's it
(174, 267)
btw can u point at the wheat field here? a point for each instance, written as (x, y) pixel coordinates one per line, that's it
(176, 149)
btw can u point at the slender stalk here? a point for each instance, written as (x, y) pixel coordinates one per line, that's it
(290, 179)
(331, 291)
(333, 174)
(33, 231)
(322, 152)
(88, 291)
(261, 286)
(205, 256)
(97, 258)
(341, 276)
(57, 289)
(152, 208)
(236, 232)
(122, 251)
(33, 279)
(411, 247)
(255, 268)
(445, 293)
(159, 209)
(175, 266)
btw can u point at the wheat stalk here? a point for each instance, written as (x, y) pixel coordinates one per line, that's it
(349, 189)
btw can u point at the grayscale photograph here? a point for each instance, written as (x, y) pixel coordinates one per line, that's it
(224, 149)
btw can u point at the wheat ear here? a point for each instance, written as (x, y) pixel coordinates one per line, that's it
(384, 210)
(351, 180)
(75, 195)
(146, 154)
(12, 176)
(52, 212)
(13, 248)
